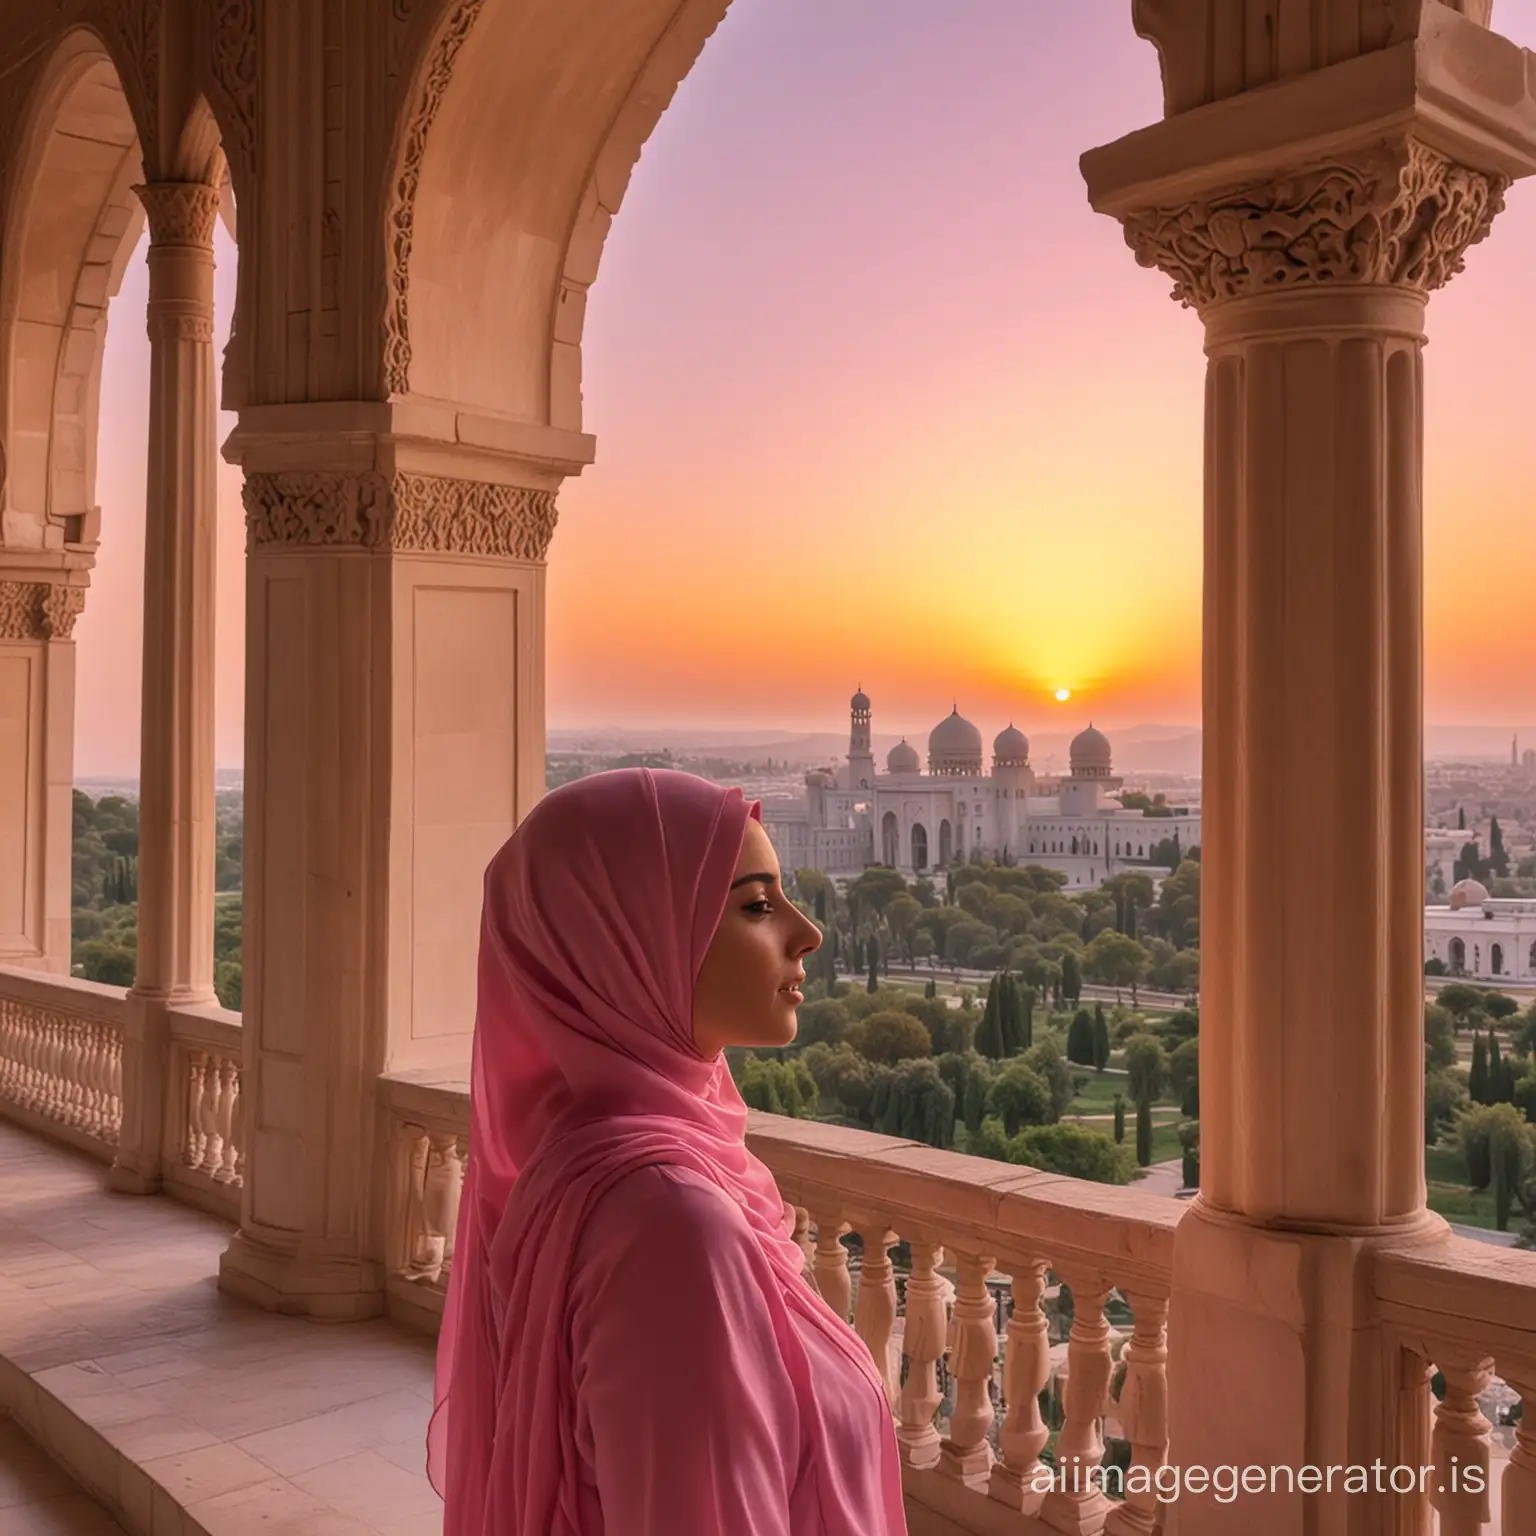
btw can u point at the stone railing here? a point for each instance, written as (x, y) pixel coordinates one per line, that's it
(978, 1467)
(202, 1149)
(61, 1058)
(1465, 1313)
(426, 1125)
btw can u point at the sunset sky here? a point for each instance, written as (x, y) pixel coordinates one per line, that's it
(861, 355)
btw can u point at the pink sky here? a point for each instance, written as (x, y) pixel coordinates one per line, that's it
(860, 349)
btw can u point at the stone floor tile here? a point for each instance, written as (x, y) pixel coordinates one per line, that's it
(192, 1476)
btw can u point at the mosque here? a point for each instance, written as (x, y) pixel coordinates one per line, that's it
(918, 821)
(1482, 937)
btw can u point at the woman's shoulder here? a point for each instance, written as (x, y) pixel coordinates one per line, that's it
(664, 1214)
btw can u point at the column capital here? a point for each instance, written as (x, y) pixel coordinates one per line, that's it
(39, 610)
(180, 213)
(1396, 215)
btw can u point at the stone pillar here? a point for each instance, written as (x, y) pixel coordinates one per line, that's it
(41, 595)
(1309, 246)
(176, 800)
(394, 737)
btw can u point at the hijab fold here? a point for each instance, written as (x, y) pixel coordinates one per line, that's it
(597, 916)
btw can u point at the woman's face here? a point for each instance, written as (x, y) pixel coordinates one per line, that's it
(748, 986)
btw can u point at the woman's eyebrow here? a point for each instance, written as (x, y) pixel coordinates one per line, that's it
(765, 878)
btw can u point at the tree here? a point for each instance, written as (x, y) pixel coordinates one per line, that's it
(1119, 1117)
(1509, 1153)
(1439, 1037)
(1075, 1152)
(822, 1020)
(902, 914)
(1495, 1083)
(1498, 859)
(873, 984)
(1189, 1144)
(1461, 818)
(1477, 1082)
(1100, 1038)
(1019, 1096)
(1046, 1059)
(1445, 1097)
(1146, 1066)
(1499, 1005)
(1027, 1002)
(1080, 1039)
(1116, 960)
(989, 1034)
(1143, 1132)
(1011, 1012)
(1474, 1132)
(1071, 978)
(889, 1036)
(1461, 1000)
(1184, 1075)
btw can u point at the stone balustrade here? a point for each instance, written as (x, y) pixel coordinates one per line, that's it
(203, 1151)
(61, 1058)
(1466, 1311)
(427, 1128)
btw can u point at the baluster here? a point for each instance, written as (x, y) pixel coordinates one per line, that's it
(1517, 1492)
(10, 1046)
(874, 1314)
(967, 1453)
(1020, 1478)
(192, 1148)
(55, 1076)
(114, 1087)
(407, 1145)
(32, 1090)
(442, 1183)
(73, 1056)
(1076, 1502)
(1460, 1441)
(98, 1080)
(225, 1119)
(1144, 1414)
(802, 1232)
(923, 1344)
(829, 1262)
(209, 1140)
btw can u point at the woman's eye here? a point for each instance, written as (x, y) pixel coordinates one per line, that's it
(762, 906)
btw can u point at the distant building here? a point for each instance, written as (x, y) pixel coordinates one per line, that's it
(919, 822)
(1482, 937)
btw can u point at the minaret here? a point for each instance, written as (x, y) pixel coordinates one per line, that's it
(1514, 750)
(861, 756)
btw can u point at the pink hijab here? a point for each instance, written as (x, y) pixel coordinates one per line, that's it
(598, 912)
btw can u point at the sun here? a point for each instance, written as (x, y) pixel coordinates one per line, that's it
(1063, 694)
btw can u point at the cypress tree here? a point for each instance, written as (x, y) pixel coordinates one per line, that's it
(1071, 978)
(1477, 1082)
(1495, 1070)
(1119, 1118)
(874, 971)
(1461, 818)
(1027, 1017)
(989, 1034)
(1100, 1038)
(1143, 1132)
(1011, 1005)
(1080, 1039)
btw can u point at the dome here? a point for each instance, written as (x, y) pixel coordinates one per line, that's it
(819, 778)
(903, 758)
(859, 703)
(954, 746)
(1090, 753)
(1468, 893)
(1011, 746)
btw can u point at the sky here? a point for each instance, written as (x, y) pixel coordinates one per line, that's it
(879, 400)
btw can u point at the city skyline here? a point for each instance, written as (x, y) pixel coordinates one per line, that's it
(887, 372)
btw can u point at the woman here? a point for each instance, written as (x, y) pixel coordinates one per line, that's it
(629, 1347)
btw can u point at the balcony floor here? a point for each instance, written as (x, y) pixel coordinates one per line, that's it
(188, 1413)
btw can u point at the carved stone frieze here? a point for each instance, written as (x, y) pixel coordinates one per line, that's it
(407, 513)
(235, 72)
(402, 204)
(180, 325)
(180, 212)
(39, 610)
(1399, 217)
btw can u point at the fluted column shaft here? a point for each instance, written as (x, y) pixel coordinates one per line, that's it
(176, 779)
(1312, 898)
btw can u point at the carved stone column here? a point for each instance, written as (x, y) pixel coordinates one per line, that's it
(39, 603)
(1307, 223)
(176, 804)
(394, 709)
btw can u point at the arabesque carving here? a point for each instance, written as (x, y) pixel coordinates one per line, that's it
(402, 206)
(235, 69)
(1399, 218)
(407, 513)
(39, 610)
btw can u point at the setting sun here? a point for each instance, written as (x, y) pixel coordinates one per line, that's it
(1063, 694)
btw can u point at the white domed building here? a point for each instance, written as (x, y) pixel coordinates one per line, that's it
(920, 821)
(1485, 938)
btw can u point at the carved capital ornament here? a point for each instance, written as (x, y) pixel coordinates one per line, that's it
(1397, 216)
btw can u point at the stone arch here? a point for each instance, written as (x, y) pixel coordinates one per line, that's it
(1496, 960)
(946, 843)
(74, 221)
(919, 846)
(510, 159)
(890, 840)
(1458, 956)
